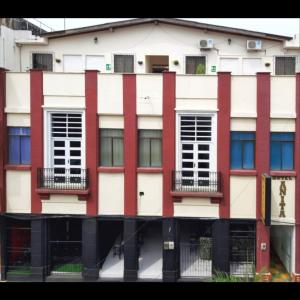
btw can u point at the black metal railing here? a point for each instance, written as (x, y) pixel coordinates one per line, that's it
(62, 179)
(196, 181)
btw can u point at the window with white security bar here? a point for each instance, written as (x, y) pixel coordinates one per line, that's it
(123, 63)
(196, 166)
(42, 61)
(285, 65)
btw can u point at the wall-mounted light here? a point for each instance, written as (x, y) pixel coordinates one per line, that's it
(95, 40)
(229, 41)
(140, 62)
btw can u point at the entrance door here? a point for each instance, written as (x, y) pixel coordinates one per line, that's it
(66, 144)
(195, 152)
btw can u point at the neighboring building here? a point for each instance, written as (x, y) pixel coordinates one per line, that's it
(151, 168)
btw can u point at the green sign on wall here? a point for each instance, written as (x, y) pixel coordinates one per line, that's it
(108, 68)
(213, 69)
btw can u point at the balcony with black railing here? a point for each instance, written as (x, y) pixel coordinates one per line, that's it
(197, 184)
(62, 181)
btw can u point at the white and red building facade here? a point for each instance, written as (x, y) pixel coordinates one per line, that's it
(142, 168)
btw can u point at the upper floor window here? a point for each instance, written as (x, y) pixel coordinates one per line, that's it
(242, 150)
(19, 145)
(282, 151)
(195, 65)
(285, 65)
(150, 148)
(111, 147)
(43, 61)
(123, 63)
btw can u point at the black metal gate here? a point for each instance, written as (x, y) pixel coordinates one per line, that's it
(242, 254)
(196, 258)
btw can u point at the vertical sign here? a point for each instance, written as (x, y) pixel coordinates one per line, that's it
(266, 199)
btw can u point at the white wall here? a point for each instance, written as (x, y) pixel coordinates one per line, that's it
(18, 191)
(243, 197)
(151, 203)
(111, 200)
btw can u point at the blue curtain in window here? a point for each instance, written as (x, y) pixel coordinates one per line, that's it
(236, 155)
(14, 150)
(248, 155)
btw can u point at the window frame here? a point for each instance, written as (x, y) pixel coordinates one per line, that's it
(112, 138)
(20, 145)
(113, 62)
(42, 52)
(150, 153)
(284, 56)
(242, 142)
(281, 151)
(196, 55)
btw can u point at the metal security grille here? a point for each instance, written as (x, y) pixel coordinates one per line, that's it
(285, 65)
(196, 258)
(66, 125)
(192, 63)
(123, 64)
(242, 253)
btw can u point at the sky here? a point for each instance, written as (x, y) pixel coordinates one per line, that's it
(280, 26)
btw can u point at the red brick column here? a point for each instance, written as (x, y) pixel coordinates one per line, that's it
(3, 140)
(296, 276)
(262, 166)
(36, 134)
(168, 140)
(223, 159)
(130, 144)
(92, 138)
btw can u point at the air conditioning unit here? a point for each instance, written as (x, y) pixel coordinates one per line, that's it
(206, 44)
(254, 45)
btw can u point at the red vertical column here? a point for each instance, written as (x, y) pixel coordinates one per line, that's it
(297, 183)
(92, 138)
(3, 140)
(262, 166)
(130, 144)
(36, 139)
(168, 140)
(223, 161)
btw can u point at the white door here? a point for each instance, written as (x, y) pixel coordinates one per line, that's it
(196, 167)
(228, 64)
(73, 63)
(66, 149)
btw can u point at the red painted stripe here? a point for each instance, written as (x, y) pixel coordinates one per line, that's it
(149, 170)
(223, 161)
(262, 164)
(168, 142)
(297, 169)
(243, 172)
(3, 139)
(110, 169)
(283, 173)
(92, 138)
(130, 144)
(18, 167)
(36, 139)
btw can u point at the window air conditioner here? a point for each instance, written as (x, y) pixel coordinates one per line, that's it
(206, 44)
(254, 45)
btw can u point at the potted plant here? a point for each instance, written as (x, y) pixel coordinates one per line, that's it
(200, 69)
(267, 64)
(176, 62)
(58, 60)
(140, 62)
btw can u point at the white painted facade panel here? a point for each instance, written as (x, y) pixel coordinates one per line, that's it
(196, 207)
(282, 125)
(283, 97)
(64, 102)
(18, 120)
(18, 191)
(111, 121)
(110, 94)
(17, 92)
(243, 197)
(64, 84)
(150, 123)
(196, 105)
(111, 193)
(243, 124)
(149, 94)
(243, 96)
(64, 204)
(150, 204)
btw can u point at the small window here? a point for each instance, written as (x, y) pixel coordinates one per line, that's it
(111, 147)
(285, 65)
(123, 64)
(19, 145)
(73, 63)
(43, 61)
(228, 64)
(195, 65)
(242, 150)
(282, 151)
(150, 148)
(251, 66)
(95, 62)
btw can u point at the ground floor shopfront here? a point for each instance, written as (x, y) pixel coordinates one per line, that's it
(47, 247)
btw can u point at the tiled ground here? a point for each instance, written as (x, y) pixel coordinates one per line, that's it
(279, 273)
